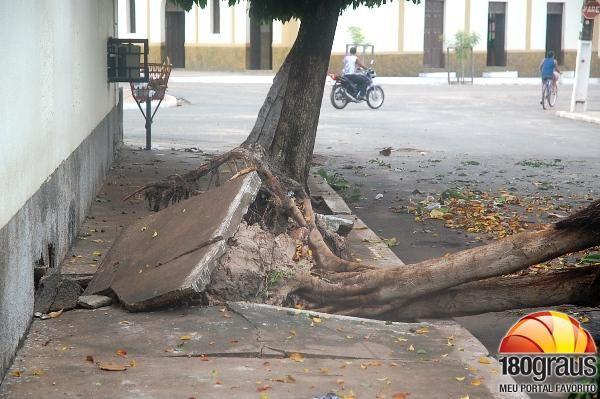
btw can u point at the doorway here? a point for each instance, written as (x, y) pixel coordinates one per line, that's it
(496, 50)
(175, 35)
(261, 45)
(554, 28)
(433, 50)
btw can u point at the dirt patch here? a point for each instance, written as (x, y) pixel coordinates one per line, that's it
(255, 266)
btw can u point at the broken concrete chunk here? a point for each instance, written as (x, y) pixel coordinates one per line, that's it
(169, 256)
(93, 301)
(46, 291)
(66, 295)
(335, 223)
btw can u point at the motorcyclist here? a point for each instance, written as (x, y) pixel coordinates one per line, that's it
(351, 66)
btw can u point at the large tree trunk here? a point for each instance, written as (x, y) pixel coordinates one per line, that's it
(377, 292)
(575, 286)
(286, 126)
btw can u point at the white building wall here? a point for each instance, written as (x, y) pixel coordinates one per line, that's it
(141, 20)
(55, 90)
(454, 19)
(414, 25)
(571, 22)
(379, 26)
(242, 23)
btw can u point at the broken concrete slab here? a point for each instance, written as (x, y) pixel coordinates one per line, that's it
(45, 293)
(66, 296)
(169, 256)
(93, 301)
(336, 224)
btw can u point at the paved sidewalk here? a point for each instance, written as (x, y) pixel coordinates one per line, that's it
(590, 116)
(241, 351)
(238, 350)
(266, 77)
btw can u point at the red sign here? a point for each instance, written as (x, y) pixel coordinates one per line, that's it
(591, 8)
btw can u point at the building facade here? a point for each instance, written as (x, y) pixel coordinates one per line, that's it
(61, 122)
(408, 39)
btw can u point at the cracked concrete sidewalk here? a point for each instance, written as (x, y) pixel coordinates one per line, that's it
(241, 350)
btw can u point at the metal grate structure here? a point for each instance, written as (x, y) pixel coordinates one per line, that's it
(154, 89)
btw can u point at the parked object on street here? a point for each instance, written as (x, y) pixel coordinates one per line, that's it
(345, 91)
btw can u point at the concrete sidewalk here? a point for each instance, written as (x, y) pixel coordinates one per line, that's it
(266, 77)
(239, 350)
(589, 116)
(243, 351)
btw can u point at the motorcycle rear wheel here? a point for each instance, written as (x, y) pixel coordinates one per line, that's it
(375, 97)
(338, 97)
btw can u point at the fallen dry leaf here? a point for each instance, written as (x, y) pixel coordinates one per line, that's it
(411, 348)
(54, 315)
(16, 373)
(185, 337)
(400, 395)
(476, 383)
(286, 378)
(155, 234)
(263, 388)
(297, 357)
(484, 360)
(110, 366)
(317, 319)
(97, 253)
(460, 378)
(132, 363)
(89, 358)
(121, 352)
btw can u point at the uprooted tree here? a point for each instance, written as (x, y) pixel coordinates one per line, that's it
(280, 148)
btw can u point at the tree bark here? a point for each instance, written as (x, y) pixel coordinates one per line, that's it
(376, 292)
(576, 286)
(286, 126)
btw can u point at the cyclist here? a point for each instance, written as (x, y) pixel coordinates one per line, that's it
(549, 69)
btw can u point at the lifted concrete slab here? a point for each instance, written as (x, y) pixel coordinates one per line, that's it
(170, 255)
(246, 349)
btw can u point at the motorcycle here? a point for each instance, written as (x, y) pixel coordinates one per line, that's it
(345, 91)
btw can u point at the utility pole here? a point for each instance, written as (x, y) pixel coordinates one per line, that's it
(591, 8)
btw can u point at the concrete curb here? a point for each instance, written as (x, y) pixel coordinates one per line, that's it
(473, 348)
(579, 116)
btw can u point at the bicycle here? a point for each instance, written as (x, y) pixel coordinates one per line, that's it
(549, 93)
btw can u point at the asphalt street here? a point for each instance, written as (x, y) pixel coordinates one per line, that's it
(455, 120)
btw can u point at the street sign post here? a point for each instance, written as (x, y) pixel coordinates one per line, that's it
(591, 8)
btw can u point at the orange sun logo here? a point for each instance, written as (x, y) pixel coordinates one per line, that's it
(547, 332)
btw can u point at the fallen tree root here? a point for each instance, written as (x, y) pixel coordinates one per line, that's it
(437, 287)
(576, 286)
(378, 292)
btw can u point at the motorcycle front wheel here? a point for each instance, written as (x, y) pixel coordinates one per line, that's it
(375, 97)
(338, 97)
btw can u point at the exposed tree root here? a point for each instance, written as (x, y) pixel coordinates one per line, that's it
(341, 286)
